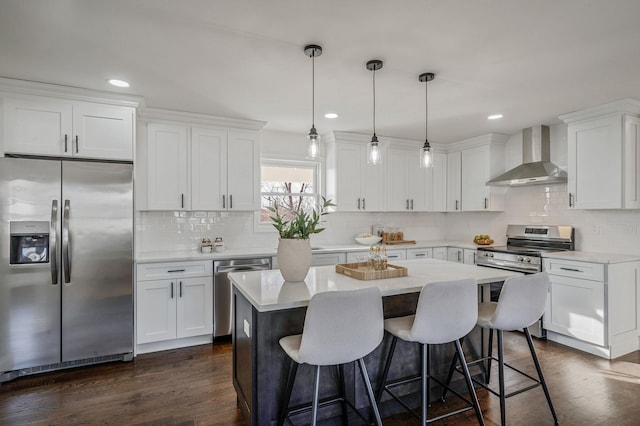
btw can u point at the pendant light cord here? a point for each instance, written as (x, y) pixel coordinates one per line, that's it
(426, 110)
(374, 102)
(313, 91)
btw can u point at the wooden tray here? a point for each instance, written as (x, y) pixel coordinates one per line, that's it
(360, 271)
(393, 243)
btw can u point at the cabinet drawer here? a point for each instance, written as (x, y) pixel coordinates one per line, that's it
(156, 271)
(425, 253)
(323, 259)
(574, 269)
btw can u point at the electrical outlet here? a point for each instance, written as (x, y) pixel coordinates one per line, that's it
(595, 229)
(247, 328)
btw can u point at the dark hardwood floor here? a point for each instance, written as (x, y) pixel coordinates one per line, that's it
(193, 387)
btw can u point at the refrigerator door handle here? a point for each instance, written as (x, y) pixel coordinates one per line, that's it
(66, 260)
(53, 242)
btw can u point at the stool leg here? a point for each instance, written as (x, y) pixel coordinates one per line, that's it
(539, 370)
(385, 371)
(425, 383)
(372, 399)
(467, 378)
(314, 406)
(343, 394)
(489, 356)
(503, 419)
(450, 375)
(291, 376)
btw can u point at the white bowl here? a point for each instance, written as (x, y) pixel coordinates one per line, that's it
(367, 241)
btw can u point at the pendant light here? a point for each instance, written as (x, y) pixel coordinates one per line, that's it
(373, 148)
(426, 156)
(313, 50)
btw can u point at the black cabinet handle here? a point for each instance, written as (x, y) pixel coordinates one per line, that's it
(224, 204)
(358, 203)
(180, 288)
(412, 204)
(363, 207)
(176, 270)
(571, 269)
(172, 289)
(571, 203)
(485, 203)
(182, 201)
(456, 204)
(407, 207)
(231, 201)
(65, 143)
(76, 144)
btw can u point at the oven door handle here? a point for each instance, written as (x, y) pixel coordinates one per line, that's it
(508, 265)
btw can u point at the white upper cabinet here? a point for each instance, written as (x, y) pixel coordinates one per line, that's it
(604, 156)
(352, 184)
(406, 181)
(470, 164)
(438, 175)
(197, 167)
(36, 125)
(167, 165)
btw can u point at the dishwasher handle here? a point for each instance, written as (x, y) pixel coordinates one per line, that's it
(256, 267)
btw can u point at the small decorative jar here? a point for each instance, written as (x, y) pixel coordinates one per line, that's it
(206, 246)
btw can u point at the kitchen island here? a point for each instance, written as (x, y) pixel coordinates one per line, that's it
(266, 309)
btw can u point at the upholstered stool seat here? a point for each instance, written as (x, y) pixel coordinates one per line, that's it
(339, 328)
(446, 312)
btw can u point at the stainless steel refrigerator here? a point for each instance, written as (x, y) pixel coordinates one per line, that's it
(66, 262)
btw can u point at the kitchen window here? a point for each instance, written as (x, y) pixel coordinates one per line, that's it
(292, 185)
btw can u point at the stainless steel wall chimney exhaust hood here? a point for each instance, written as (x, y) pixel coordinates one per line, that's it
(536, 169)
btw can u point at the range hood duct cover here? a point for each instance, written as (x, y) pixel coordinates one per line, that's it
(536, 167)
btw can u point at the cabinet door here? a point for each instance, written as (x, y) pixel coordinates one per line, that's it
(349, 174)
(595, 164)
(208, 168)
(455, 254)
(575, 308)
(102, 131)
(475, 173)
(243, 171)
(470, 256)
(454, 170)
(439, 183)
(37, 126)
(632, 162)
(398, 184)
(194, 315)
(440, 253)
(426, 253)
(372, 188)
(155, 311)
(167, 180)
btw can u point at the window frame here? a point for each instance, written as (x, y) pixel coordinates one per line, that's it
(260, 226)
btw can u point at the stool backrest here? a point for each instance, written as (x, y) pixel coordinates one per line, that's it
(522, 301)
(342, 326)
(447, 311)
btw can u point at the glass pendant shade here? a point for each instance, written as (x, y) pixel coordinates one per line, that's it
(314, 144)
(374, 156)
(426, 156)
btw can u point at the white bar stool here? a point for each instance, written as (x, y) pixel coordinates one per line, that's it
(446, 312)
(339, 328)
(521, 303)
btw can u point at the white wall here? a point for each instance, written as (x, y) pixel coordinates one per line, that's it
(600, 231)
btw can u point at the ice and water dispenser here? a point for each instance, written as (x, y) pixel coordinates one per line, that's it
(29, 242)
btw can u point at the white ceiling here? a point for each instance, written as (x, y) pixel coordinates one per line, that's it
(530, 60)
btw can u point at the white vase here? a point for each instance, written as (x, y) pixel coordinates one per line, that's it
(294, 258)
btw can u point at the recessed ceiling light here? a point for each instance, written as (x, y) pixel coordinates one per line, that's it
(331, 115)
(494, 116)
(118, 83)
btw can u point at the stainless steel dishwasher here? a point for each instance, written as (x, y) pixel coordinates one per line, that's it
(222, 294)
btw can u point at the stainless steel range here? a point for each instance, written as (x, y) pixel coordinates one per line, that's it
(525, 246)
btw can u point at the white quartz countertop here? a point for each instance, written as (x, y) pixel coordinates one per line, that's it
(235, 253)
(267, 290)
(587, 256)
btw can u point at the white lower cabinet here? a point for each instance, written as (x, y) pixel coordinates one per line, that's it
(174, 304)
(440, 253)
(470, 256)
(455, 254)
(593, 306)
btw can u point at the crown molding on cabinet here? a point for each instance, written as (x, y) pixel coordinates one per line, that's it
(622, 106)
(10, 86)
(190, 118)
